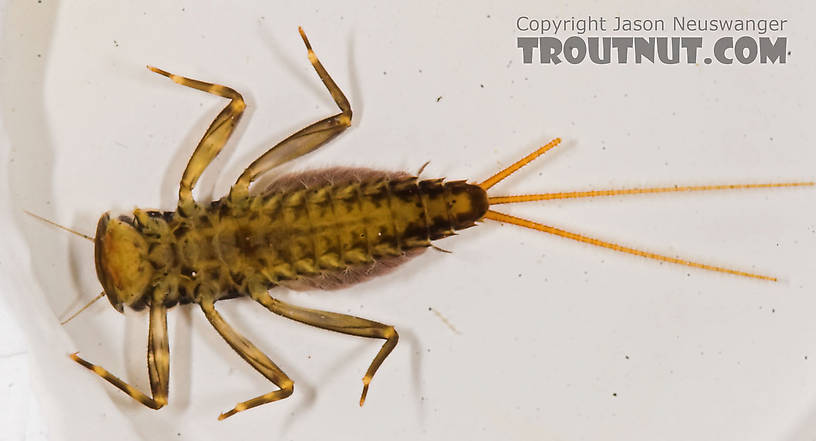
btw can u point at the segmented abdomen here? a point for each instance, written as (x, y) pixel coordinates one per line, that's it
(330, 228)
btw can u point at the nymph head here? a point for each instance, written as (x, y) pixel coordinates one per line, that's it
(121, 261)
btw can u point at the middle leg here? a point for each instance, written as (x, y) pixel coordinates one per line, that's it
(304, 140)
(345, 324)
(252, 355)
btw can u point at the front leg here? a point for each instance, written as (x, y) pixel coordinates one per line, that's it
(158, 361)
(214, 138)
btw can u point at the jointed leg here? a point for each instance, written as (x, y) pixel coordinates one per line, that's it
(342, 323)
(158, 362)
(158, 352)
(304, 140)
(214, 139)
(254, 357)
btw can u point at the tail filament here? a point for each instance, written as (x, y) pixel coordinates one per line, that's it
(501, 217)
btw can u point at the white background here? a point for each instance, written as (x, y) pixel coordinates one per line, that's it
(556, 340)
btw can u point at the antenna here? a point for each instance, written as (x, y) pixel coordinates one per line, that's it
(101, 294)
(58, 225)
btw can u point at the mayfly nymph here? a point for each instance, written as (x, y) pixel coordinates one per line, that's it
(319, 229)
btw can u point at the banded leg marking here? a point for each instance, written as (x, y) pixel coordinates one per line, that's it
(252, 355)
(214, 138)
(345, 324)
(158, 361)
(305, 140)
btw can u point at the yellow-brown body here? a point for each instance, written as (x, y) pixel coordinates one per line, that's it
(323, 229)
